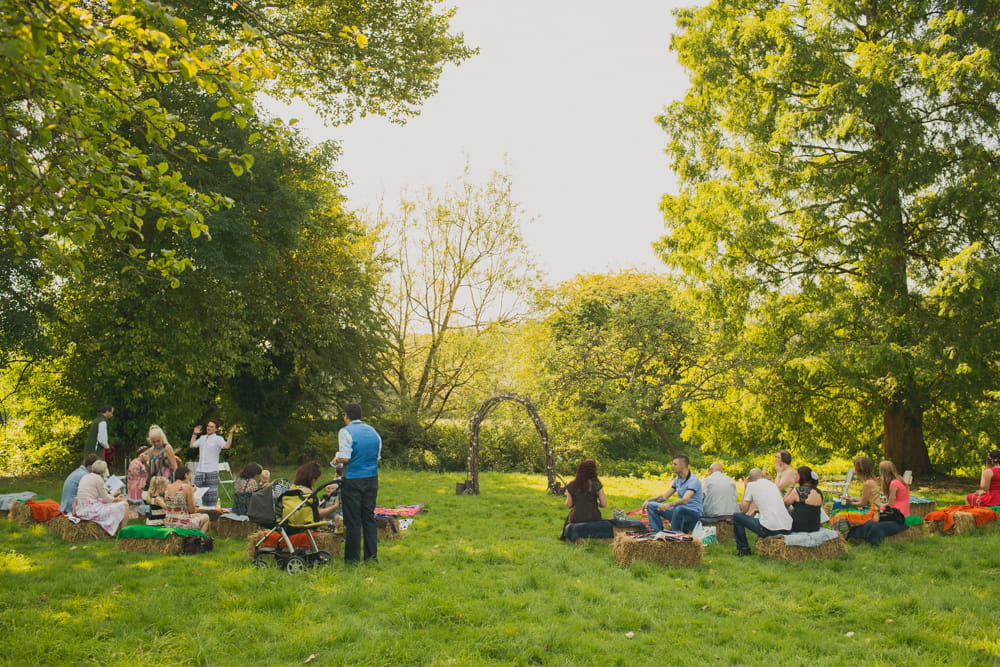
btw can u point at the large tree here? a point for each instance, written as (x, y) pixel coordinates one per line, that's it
(838, 169)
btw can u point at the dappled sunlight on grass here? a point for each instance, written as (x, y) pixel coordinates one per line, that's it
(12, 561)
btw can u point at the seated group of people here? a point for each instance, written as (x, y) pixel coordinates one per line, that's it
(791, 502)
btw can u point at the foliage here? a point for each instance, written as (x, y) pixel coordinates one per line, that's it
(620, 347)
(837, 165)
(461, 275)
(478, 580)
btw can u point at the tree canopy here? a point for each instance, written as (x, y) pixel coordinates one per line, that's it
(839, 205)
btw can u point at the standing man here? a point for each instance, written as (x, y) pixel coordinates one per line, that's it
(209, 446)
(683, 513)
(773, 517)
(97, 435)
(720, 492)
(360, 447)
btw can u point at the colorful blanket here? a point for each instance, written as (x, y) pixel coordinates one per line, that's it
(640, 515)
(155, 532)
(399, 510)
(982, 515)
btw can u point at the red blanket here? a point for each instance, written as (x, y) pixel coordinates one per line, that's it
(43, 510)
(982, 515)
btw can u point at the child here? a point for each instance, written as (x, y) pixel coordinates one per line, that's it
(157, 506)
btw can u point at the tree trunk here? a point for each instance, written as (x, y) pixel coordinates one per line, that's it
(662, 435)
(903, 438)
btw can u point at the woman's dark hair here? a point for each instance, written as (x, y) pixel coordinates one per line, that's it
(307, 474)
(864, 467)
(785, 456)
(806, 476)
(993, 458)
(586, 471)
(251, 470)
(181, 472)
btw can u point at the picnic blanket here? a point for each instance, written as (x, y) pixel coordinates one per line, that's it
(982, 515)
(43, 509)
(399, 510)
(813, 539)
(8, 499)
(640, 515)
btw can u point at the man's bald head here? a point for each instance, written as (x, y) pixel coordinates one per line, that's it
(715, 467)
(754, 474)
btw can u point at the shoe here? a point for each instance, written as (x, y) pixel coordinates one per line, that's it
(744, 552)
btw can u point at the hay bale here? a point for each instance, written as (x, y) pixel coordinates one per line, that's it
(921, 506)
(20, 513)
(723, 531)
(678, 554)
(388, 528)
(227, 527)
(325, 540)
(85, 531)
(775, 547)
(173, 545)
(965, 523)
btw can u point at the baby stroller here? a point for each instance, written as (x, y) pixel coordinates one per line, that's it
(289, 513)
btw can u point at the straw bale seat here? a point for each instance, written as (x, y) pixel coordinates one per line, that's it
(678, 554)
(84, 531)
(388, 528)
(775, 547)
(226, 527)
(172, 545)
(921, 506)
(20, 513)
(965, 523)
(325, 540)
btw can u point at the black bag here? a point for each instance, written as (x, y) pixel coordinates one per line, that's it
(197, 544)
(890, 513)
(262, 507)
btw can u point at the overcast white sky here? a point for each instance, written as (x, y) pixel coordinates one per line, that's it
(564, 93)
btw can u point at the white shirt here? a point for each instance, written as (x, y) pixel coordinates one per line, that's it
(720, 495)
(209, 447)
(102, 434)
(773, 513)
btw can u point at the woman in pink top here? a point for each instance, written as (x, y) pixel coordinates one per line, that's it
(988, 494)
(894, 487)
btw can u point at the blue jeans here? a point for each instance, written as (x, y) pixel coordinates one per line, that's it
(681, 517)
(358, 500)
(740, 524)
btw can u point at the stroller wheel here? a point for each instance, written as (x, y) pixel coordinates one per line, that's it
(295, 564)
(259, 563)
(322, 557)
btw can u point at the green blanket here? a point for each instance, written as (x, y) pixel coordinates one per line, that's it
(156, 532)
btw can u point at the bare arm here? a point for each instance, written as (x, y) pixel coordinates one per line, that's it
(658, 499)
(602, 500)
(171, 457)
(194, 435)
(189, 496)
(569, 500)
(229, 438)
(890, 497)
(790, 498)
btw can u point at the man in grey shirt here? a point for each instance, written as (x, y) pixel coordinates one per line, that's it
(720, 493)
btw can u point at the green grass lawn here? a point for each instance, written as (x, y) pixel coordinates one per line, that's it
(480, 580)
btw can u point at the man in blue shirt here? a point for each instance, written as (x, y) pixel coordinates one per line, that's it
(683, 513)
(72, 483)
(360, 447)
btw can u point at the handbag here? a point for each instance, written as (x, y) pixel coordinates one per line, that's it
(197, 544)
(890, 513)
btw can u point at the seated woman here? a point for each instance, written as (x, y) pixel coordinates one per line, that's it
(584, 497)
(988, 493)
(251, 479)
(138, 474)
(310, 513)
(181, 511)
(804, 502)
(94, 503)
(857, 511)
(894, 487)
(157, 504)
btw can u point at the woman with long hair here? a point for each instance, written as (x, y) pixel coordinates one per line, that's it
(894, 487)
(860, 510)
(181, 510)
(585, 494)
(252, 478)
(804, 502)
(162, 460)
(988, 493)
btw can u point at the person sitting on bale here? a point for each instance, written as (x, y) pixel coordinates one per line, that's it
(72, 483)
(894, 487)
(157, 503)
(182, 512)
(313, 512)
(988, 493)
(856, 511)
(251, 479)
(784, 474)
(94, 503)
(683, 513)
(138, 474)
(772, 516)
(805, 502)
(720, 493)
(584, 496)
